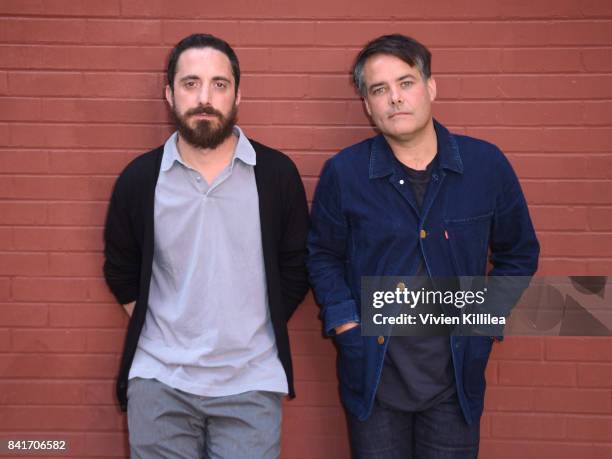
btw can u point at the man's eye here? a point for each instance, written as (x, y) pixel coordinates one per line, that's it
(190, 84)
(220, 84)
(378, 91)
(406, 84)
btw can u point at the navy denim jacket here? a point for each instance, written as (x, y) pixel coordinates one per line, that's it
(364, 218)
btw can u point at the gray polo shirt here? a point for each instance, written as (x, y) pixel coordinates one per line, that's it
(208, 330)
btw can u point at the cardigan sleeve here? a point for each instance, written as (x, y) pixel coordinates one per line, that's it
(122, 253)
(292, 250)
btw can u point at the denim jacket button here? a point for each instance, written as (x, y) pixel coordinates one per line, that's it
(381, 340)
(423, 234)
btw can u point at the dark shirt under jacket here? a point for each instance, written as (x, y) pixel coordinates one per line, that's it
(418, 370)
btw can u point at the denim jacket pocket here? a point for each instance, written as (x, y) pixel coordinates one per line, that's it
(351, 359)
(468, 239)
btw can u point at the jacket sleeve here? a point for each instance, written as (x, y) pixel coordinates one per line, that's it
(514, 246)
(327, 257)
(514, 250)
(292, 253)
(122, 254)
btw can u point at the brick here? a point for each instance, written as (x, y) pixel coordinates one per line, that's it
(518, 348)
(48, 341)
(298, 112)
(123, 32)
(24, 161)
(600, 218)
(77, 213)
(105, 341)
(113, 444)
(23, 213)
(595, 349)
(590, 429)
(45, 84)
(87, 162)
(143, 138)
(19, 109)
(528, 426)
(109, 315)
(315, 368)
(6, 238)
(537, 374)
(567, 192)
(274, 87)
(545, 113)
(597, 59)
(509, 399)
(555, 140)
(98, 291)
(330, 87)
(310, 343)
(60, 7)
(556, 400)
(559, 218)
(49, 289)
(175, 30)
(594, 374)
(596, 113)
(128, 85)
(50, 238)
(5, 339)
(306, 317)
(75, 264)
(315, 393)
(558, 266)
(73, 418)
(5, 289)
(542, 60)
(23, 264)
(332, 445)
(88, 58)
(532, 87)
(561, 166)
(18, 30)
(315, 420)
(41, 393)
(21, 314)
(99, 393)
(58, 366)
(310, 164)
(260, 33)
(586, 244)
(599, 267)
(503, 34)
(515, 448)
(49, 187)
(100, 110)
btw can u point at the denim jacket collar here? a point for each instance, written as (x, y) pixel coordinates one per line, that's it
(382, 161)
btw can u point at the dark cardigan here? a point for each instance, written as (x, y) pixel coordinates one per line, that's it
(129, 239)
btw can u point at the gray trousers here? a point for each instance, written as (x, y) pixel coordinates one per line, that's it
(167, 423)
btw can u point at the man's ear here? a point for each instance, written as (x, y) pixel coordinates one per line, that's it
(238, 97)
(432, 89)
(169, 96)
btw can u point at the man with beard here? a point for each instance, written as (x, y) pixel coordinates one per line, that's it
(204, 246)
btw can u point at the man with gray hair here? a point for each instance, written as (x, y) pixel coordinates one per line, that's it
(415, 200)
(205, 247)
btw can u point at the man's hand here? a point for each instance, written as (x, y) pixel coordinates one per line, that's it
(129, 308)
(345, 327)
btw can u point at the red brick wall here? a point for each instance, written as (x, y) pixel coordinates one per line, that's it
(81, 93)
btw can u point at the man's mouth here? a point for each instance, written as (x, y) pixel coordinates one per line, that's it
(393, 115)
